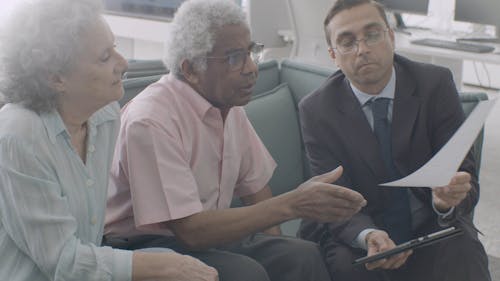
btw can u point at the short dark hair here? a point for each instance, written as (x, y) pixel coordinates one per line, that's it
(342, 5)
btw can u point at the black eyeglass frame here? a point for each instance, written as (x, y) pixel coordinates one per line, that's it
(356, 42)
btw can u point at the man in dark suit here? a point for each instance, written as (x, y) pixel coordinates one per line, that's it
(381, 117)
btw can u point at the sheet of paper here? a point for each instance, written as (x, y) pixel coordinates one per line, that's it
(443, 166)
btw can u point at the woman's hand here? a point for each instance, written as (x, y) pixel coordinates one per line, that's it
(170, 266)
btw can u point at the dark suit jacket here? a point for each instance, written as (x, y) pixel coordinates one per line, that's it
(426, 113)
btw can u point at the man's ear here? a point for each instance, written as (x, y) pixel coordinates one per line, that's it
(189, 72)
(56, 82)
(392, 38)
(331, 51)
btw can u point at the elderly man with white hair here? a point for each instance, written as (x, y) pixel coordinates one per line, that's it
(186, 147)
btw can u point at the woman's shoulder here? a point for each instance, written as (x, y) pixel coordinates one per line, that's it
(22, 134)
(19, 122)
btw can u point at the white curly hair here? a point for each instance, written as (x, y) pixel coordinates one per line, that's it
(41, 37)
(194, 29)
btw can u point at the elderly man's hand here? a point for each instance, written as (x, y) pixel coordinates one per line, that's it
(445, 197)
(321, 201)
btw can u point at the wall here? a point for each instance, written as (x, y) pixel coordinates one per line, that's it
(139, 38)
(266, 17)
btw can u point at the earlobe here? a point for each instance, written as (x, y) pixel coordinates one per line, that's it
(391, 36)
(56, 82)
(189, 73)
(331, 52)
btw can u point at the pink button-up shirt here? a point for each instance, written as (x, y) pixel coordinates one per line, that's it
(175, 157)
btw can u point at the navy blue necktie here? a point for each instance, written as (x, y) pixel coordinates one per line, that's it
(397, 214)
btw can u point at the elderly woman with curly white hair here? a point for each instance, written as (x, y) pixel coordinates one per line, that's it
(61, 77)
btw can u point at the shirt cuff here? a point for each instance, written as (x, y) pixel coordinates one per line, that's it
(122, 265)
(440, 214)
(360, 241)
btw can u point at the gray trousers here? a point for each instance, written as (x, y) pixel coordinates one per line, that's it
(259, 257)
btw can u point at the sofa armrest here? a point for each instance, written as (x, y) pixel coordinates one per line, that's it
(469, 100)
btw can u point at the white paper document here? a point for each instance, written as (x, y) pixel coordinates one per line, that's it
(443, 166)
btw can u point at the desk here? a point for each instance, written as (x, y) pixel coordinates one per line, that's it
(454, 60)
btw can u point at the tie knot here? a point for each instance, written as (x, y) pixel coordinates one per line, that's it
(380, 107)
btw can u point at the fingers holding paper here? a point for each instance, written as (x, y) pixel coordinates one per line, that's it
(446, 197)
(378, 241)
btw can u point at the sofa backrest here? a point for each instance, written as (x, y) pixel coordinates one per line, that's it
(269, 77)
(142, 68)
(303, 78)
(275, 120)
(469, 101)
(134, 86)
(274, 117)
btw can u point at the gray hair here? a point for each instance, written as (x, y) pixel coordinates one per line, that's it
(194, 29)
(41, 38)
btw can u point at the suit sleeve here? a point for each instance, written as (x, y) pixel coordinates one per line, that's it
(448, 116)
(323, 160)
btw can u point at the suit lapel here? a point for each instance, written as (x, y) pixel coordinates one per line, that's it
(405, 110)
(358, 130)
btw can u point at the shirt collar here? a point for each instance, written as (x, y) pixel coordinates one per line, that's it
(55, 126)
(388, 91)
(105, 114)
(200, 105)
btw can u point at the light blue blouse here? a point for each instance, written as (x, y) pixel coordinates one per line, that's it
(52, 204)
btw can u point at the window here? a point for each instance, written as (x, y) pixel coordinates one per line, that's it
(151, 9)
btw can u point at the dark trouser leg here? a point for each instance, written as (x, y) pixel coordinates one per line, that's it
(339, 258)
(230, 266)
(461, 258)
(284, 258)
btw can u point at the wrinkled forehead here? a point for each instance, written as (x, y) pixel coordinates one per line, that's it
(232, 37)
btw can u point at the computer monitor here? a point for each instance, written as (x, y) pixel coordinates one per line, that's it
(151, 9)
(407, 6)
(479, 11)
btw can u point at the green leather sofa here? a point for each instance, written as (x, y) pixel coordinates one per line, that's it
(273, 113)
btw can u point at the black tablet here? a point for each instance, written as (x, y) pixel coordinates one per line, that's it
(412, 244)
